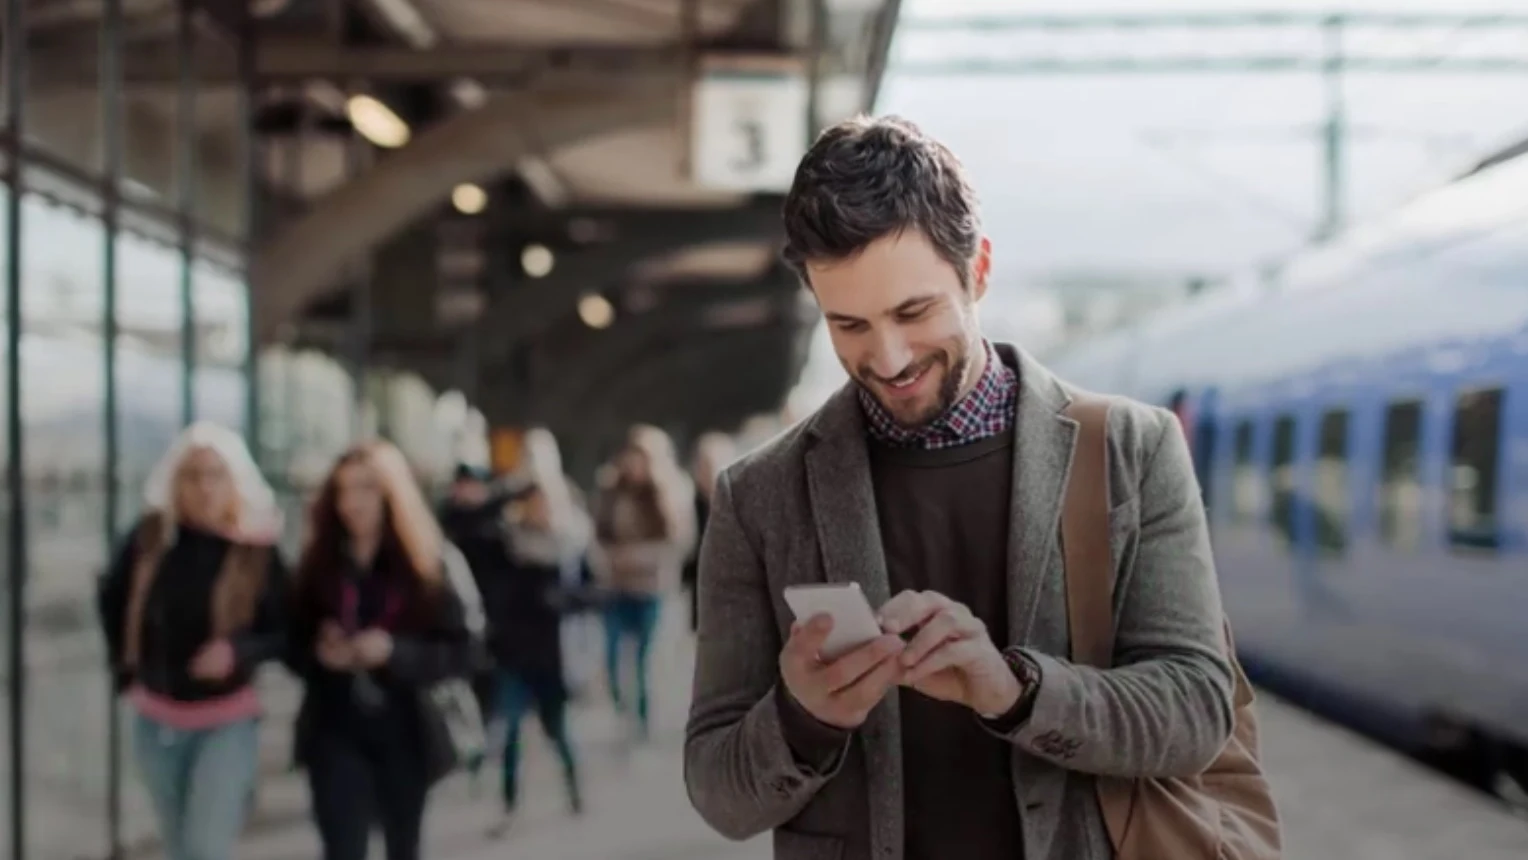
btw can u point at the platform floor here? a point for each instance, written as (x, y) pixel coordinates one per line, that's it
(1341, 797)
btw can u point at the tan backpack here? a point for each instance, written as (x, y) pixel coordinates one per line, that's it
(1225, 813)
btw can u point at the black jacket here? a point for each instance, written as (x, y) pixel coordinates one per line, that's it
(477, 530)
(431, 643)
(525, 603)
(177, 617)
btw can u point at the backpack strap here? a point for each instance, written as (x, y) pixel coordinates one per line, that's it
(1085, 535)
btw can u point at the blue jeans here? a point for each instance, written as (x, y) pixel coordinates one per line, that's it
(518, 693)
(200, 782)
(636, 616)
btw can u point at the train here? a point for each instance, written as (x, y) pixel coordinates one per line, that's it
(1359, 427)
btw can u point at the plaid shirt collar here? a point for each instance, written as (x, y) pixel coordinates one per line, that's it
(986, 411)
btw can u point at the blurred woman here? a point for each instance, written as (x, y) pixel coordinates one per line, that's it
(713, 452)
(526, 608)
(581, 634)
(644, 526)
(380, 619)
(192, 606)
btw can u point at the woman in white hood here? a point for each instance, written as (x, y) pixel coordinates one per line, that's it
(192, 606)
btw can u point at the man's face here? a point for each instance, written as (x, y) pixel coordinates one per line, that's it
(903, 325)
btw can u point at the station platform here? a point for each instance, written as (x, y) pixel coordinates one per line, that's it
(1340, 796)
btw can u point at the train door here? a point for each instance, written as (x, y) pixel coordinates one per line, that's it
(1202, 444)
(1197, 417)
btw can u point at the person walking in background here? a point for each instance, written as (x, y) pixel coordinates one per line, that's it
(526, 607)
(713, 452)
(192, 606)
(472, 519)
(644, 526)
(380, 618)
(580, 632)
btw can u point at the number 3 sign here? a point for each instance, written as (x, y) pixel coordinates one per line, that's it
(749, 129)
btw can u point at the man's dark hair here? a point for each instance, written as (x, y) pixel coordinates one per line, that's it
(868, 178)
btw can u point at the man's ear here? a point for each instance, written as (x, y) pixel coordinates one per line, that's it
(981, 269)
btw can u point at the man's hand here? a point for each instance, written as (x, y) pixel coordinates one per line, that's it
(951, 656)
(214, 662)
(840, 693)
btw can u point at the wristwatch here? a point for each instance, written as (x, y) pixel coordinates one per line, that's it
(1027, 671)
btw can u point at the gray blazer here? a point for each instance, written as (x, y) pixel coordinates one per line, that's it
(802, 510)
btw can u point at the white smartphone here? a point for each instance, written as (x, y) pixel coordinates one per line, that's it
(854, 622)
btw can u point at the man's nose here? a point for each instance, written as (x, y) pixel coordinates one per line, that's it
(889, 355)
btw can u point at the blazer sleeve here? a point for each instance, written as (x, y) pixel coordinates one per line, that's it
(741, 772)
(1165, 708)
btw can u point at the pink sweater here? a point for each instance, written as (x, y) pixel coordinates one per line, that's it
(242, 704)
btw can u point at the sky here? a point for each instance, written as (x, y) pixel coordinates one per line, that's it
(1183, 174)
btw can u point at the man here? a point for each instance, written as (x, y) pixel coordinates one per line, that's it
(471, 518)
(935, 481)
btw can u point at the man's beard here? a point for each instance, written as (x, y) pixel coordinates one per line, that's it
(949, 387)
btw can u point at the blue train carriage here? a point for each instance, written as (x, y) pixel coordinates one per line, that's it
(1360, 428)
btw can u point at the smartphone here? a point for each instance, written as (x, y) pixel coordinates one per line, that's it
(854, 622)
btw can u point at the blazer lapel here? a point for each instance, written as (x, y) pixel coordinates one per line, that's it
(849, 537)
(1043, 444)
(843, 499)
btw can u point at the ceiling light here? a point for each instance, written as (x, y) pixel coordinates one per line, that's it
(469, 199)
(469, 93)
(536, 260)
(596, 311)
(376, 122)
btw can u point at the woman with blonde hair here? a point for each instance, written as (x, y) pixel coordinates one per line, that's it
(643, 527)
(191, 607)
(383, 613)
(580, 635)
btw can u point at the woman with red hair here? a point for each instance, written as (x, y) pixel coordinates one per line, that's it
(381, 618)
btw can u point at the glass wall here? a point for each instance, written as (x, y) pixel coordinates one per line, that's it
(62, 399)
(135, 319)
(78, 354)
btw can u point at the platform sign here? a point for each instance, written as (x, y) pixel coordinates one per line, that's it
(748, 124)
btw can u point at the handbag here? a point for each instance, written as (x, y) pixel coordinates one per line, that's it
(454, 727)
(1224, 813)
(457, 723)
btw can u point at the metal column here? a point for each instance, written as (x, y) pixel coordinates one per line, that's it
(817, 41)
(185, 196)
(16, 557)
(249, 152)
(1334, 132)
(356, 156)
(111, 144)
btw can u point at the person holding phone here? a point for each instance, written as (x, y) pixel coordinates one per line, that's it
(384, 610)
(934, 481)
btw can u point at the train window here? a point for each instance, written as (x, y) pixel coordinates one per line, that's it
(1331, 489)
(1282, 513)
(1472, 468)
(1245, 480)
(1400, 491)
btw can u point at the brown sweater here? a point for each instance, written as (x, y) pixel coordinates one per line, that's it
(944, 526)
